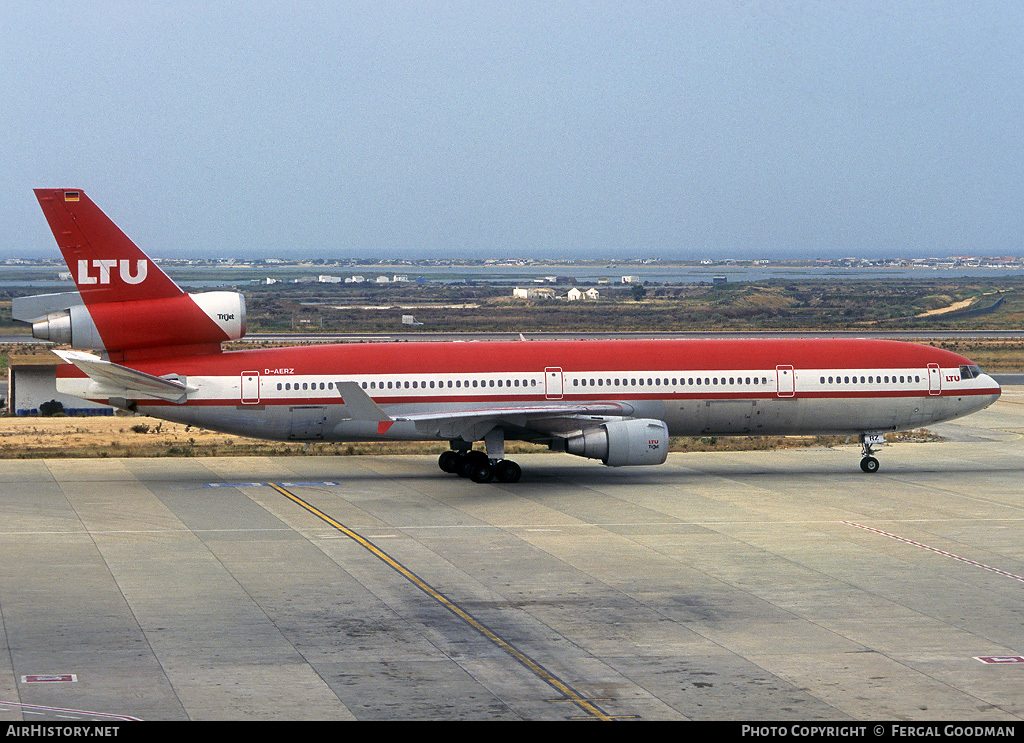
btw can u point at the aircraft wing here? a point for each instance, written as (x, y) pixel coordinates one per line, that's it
(524, 421)
(113, 380)
(528, 422)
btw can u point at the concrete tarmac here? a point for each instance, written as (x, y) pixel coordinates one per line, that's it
(779, 585)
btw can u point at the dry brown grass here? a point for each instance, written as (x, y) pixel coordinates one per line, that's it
(140, 436)
(995, 355)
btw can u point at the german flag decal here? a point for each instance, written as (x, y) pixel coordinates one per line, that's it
(71, 196)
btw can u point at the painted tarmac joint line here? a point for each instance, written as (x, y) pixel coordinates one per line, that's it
(937, 551)
(587, 705)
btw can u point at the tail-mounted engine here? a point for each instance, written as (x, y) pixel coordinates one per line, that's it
(642, 441)
(184, 320)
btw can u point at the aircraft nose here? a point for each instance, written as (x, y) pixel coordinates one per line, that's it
(997, 390)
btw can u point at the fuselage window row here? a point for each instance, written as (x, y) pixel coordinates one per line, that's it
(414, 384)
(305, 386)
(667, 382)
(595, 382)
(871, 379)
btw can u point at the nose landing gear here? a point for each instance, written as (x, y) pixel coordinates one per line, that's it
(868, 442)
(869, 464)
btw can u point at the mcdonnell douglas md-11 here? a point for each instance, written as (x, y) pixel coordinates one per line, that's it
(619, 401)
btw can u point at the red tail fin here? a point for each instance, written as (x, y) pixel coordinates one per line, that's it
(106, 265)
(132, 308)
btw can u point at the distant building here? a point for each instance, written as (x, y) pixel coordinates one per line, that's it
(329, 279)
(533, 293)
(576, 294)
(630, 279)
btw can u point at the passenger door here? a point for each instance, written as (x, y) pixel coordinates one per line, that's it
(553, 383)
(786, 379)
(250, 387)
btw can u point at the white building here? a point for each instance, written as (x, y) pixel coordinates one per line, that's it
(576, 295)
(533, 293)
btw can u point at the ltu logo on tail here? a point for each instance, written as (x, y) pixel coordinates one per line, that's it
(104, 267)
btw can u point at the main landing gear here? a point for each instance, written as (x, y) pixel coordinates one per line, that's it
(868, 442)
(478, 467)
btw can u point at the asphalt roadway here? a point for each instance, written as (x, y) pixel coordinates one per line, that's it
(779, 585)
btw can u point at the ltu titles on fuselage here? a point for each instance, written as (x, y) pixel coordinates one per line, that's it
(617, 401)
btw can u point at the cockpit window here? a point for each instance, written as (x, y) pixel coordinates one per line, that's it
(972, 371)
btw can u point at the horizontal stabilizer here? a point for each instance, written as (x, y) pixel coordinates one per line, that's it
(34, 308)
(113, 380)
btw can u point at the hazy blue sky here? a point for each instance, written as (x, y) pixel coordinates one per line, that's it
(747, 128)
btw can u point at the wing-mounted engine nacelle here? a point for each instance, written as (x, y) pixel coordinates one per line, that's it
(621, 443)
(187, 319)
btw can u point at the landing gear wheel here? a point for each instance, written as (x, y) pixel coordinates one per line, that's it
(470, 460)
(507, 471)
(869, 464)
(449, 461)
(481, 472)
(462, 469)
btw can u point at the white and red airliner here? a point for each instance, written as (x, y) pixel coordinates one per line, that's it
(614, 400)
